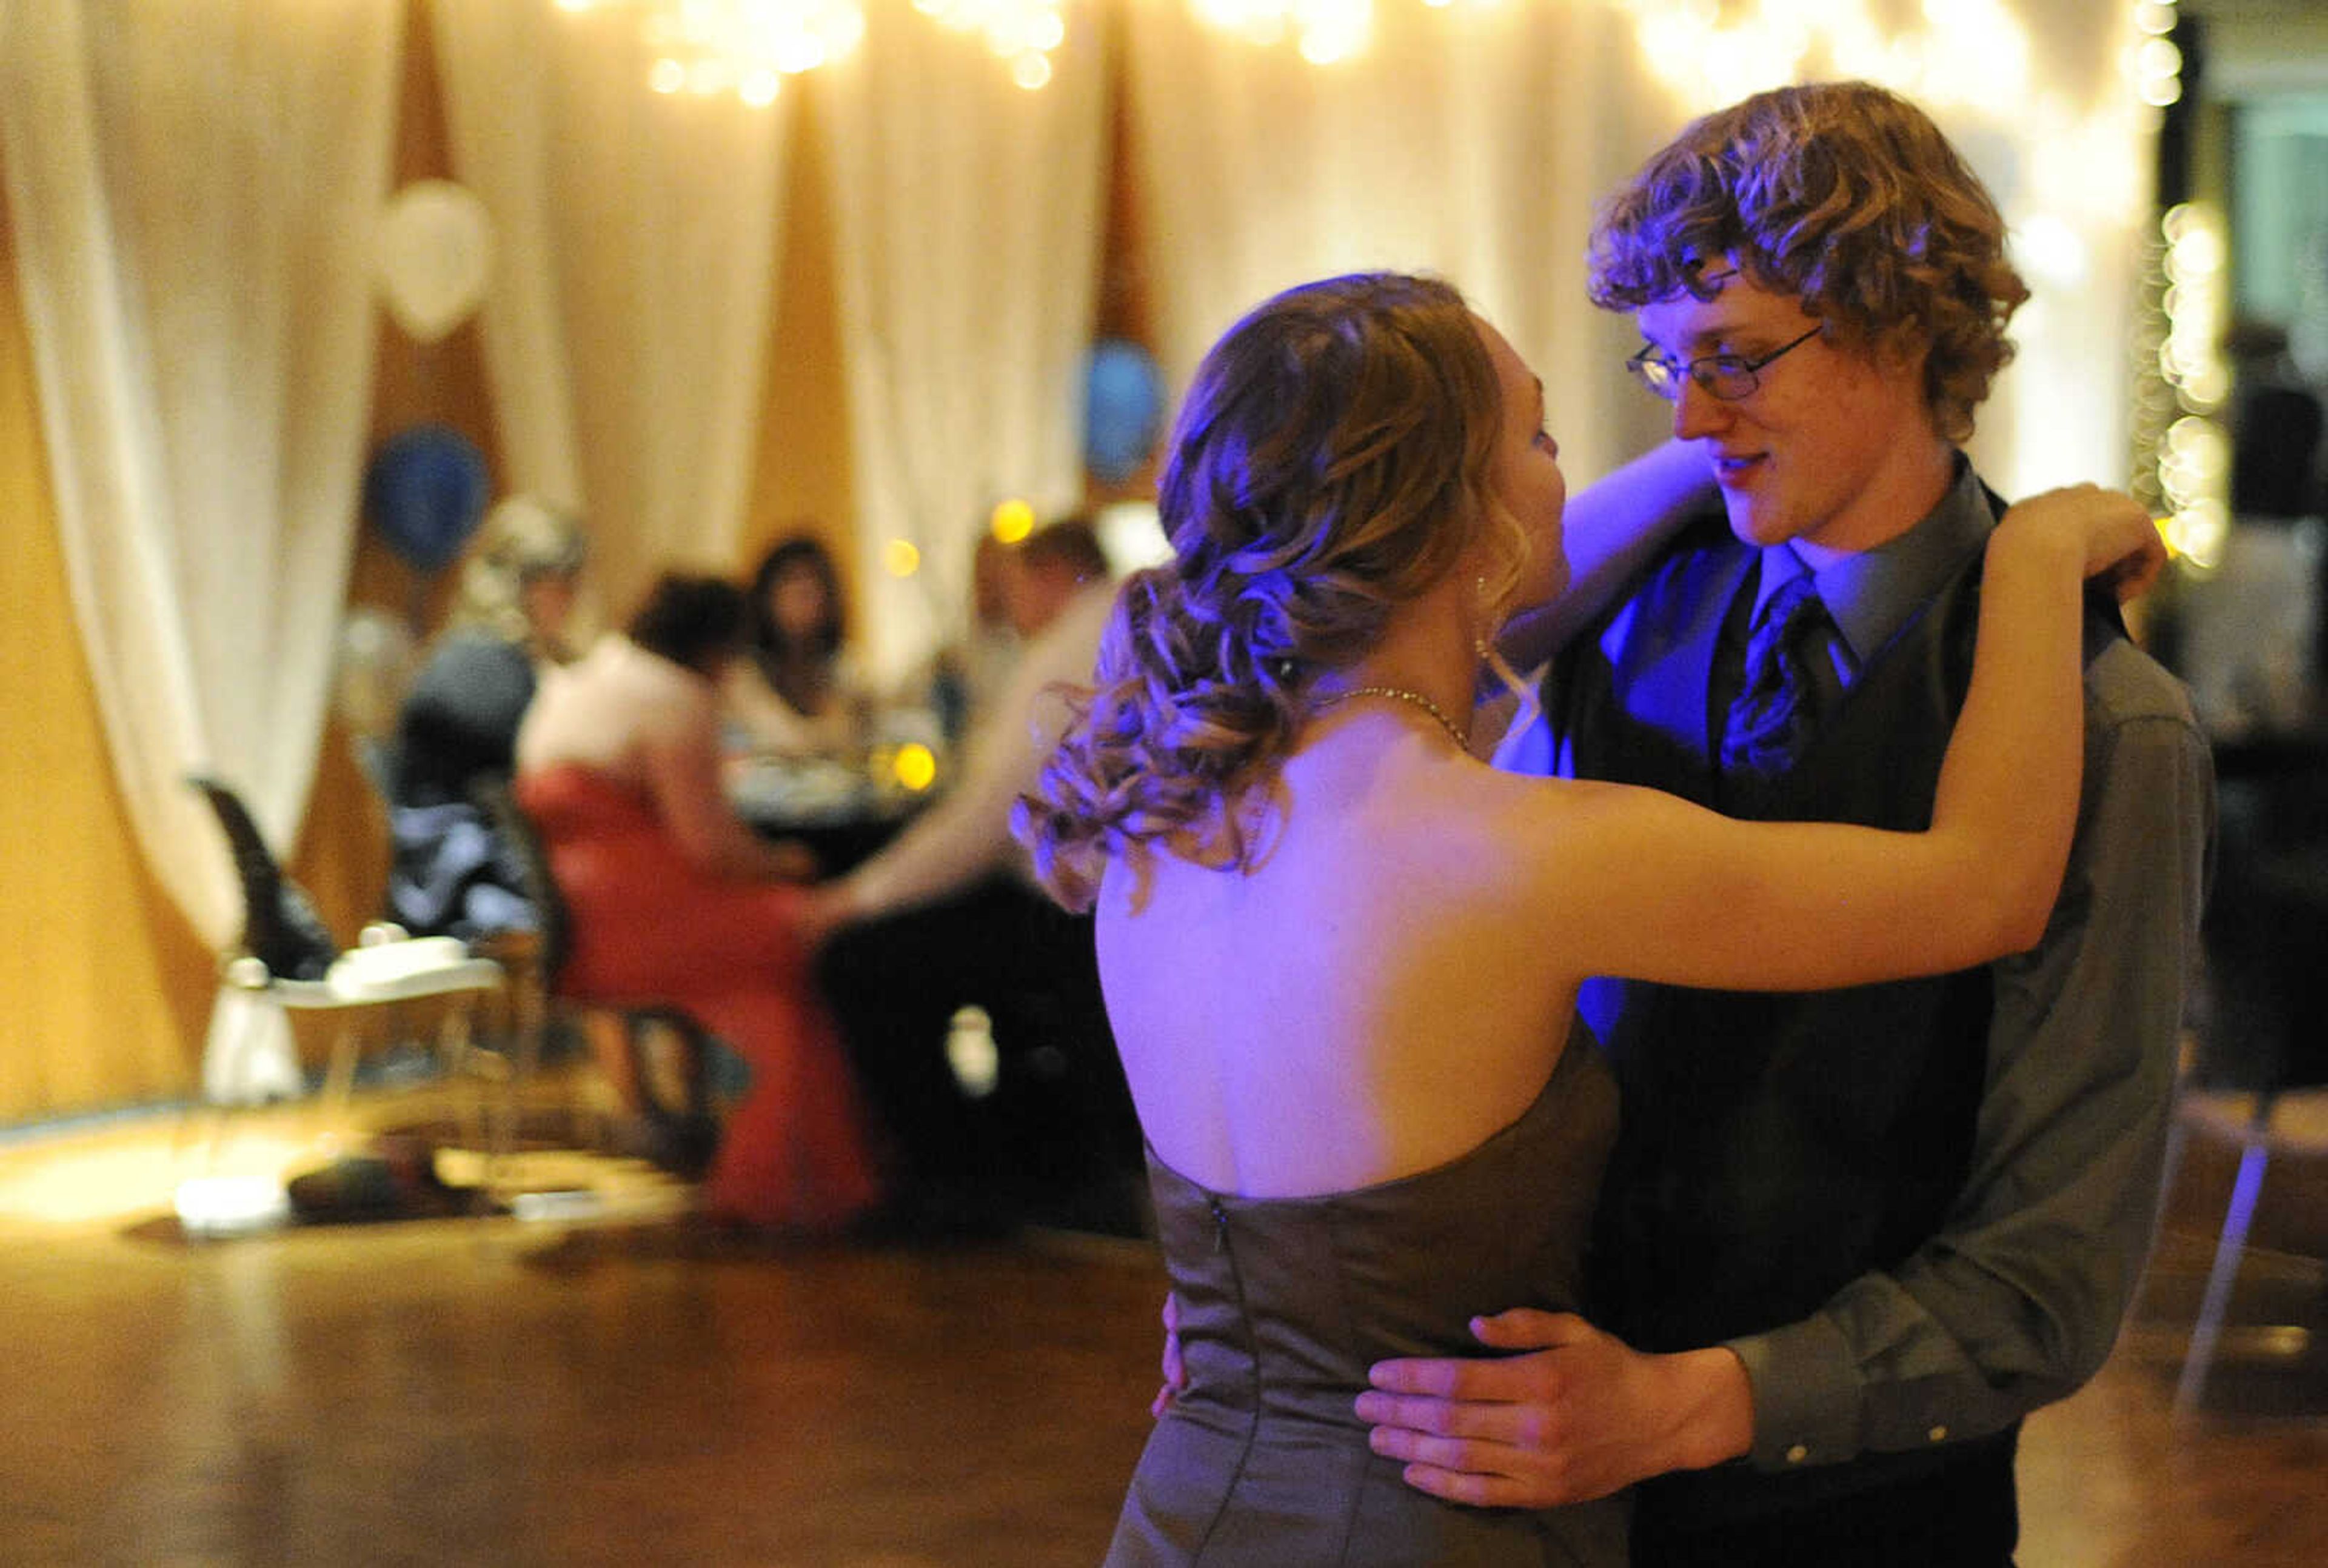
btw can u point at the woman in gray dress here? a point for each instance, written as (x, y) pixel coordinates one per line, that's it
(1341, 956)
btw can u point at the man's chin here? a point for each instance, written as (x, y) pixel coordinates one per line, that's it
(1755, 525)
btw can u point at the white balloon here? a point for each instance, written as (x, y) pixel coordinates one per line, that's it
(436, 256)
(377, 656)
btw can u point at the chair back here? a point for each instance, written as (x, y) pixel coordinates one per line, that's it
(280, 928)
(530, 857)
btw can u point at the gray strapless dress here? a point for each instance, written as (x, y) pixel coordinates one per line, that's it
(1285, 1302)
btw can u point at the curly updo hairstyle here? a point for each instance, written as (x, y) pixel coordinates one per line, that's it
(1845, 195)
(1329, 464)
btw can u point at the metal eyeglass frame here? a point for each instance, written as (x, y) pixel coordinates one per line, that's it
(1727, 377)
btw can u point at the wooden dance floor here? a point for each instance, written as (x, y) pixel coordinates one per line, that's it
(595, 1389)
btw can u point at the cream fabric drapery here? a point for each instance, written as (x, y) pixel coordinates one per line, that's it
(1474, 141)
(1467, 141)
(967, 213)
(637, 235)
(194, 247)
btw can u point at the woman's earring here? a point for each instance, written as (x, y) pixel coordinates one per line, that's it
(1479, 619)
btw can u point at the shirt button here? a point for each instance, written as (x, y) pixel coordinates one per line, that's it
(1797, 1454)
(1938, 1434)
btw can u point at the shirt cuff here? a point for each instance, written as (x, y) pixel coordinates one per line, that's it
(1806, 1394)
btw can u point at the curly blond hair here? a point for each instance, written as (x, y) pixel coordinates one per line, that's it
(1329, 464)
(1843, 194)
(522, 539)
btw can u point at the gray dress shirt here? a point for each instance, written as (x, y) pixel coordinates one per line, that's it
(2018, 1299)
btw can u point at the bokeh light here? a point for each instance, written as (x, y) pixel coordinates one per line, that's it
(915, 767)
(1012, 520)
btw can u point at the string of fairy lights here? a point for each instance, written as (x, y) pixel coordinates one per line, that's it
(1972, 53)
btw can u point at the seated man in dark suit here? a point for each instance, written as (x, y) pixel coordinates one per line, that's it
(945, 919)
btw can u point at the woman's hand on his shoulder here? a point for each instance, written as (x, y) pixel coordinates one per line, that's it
(2111, 532)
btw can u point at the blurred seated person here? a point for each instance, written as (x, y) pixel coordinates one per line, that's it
(795, 693)
(457, 725)
(947, 917)
(2277, 424)
(966, 675)
(671, 899)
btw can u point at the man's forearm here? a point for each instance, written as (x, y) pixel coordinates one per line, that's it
(2017, 1300)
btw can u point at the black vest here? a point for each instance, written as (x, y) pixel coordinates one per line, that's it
(1774, 1147)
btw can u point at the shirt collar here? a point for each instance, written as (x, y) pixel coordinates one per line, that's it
(1872, 593)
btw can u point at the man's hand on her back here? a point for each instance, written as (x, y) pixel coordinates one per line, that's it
(1579, 1415)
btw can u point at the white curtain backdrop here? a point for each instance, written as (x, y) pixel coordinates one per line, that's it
(1467, 141)
(967, 218)
(636, 239)
(1474, 141)
(194, 189)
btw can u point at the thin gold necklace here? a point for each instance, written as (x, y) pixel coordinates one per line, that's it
(1400, 694)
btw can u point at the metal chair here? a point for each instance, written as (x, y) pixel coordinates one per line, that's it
(285, 958)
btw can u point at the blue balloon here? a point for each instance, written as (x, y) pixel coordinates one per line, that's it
(1123, 409)
(425, 493)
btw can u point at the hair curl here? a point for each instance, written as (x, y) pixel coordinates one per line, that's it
(1329, 464)
(1843, 194)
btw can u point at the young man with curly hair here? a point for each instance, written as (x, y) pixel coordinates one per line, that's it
(1848, 1239)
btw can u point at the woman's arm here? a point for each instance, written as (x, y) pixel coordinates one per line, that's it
(1687, 896)
(682, 773)
(1609, 531)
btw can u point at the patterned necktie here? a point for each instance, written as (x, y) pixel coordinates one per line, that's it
(1790, 669)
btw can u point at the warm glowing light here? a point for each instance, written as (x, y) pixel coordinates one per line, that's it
(2198, 533)
(228, 1204)
(1324, 31)
(744, 47)
(1012, 520)
(1023, 32)
(915, 767)
(1959, 55)
(2193, 455)
(2049, 247)
(900, 559)
(2155, 64)
(2196, 304)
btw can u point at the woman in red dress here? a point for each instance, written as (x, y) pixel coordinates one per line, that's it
(674, 901)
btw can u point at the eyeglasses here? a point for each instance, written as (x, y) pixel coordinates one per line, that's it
(1728, 377)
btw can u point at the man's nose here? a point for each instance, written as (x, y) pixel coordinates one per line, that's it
(1697, 412)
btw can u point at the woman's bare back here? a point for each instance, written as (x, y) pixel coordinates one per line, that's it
(1372, 998)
